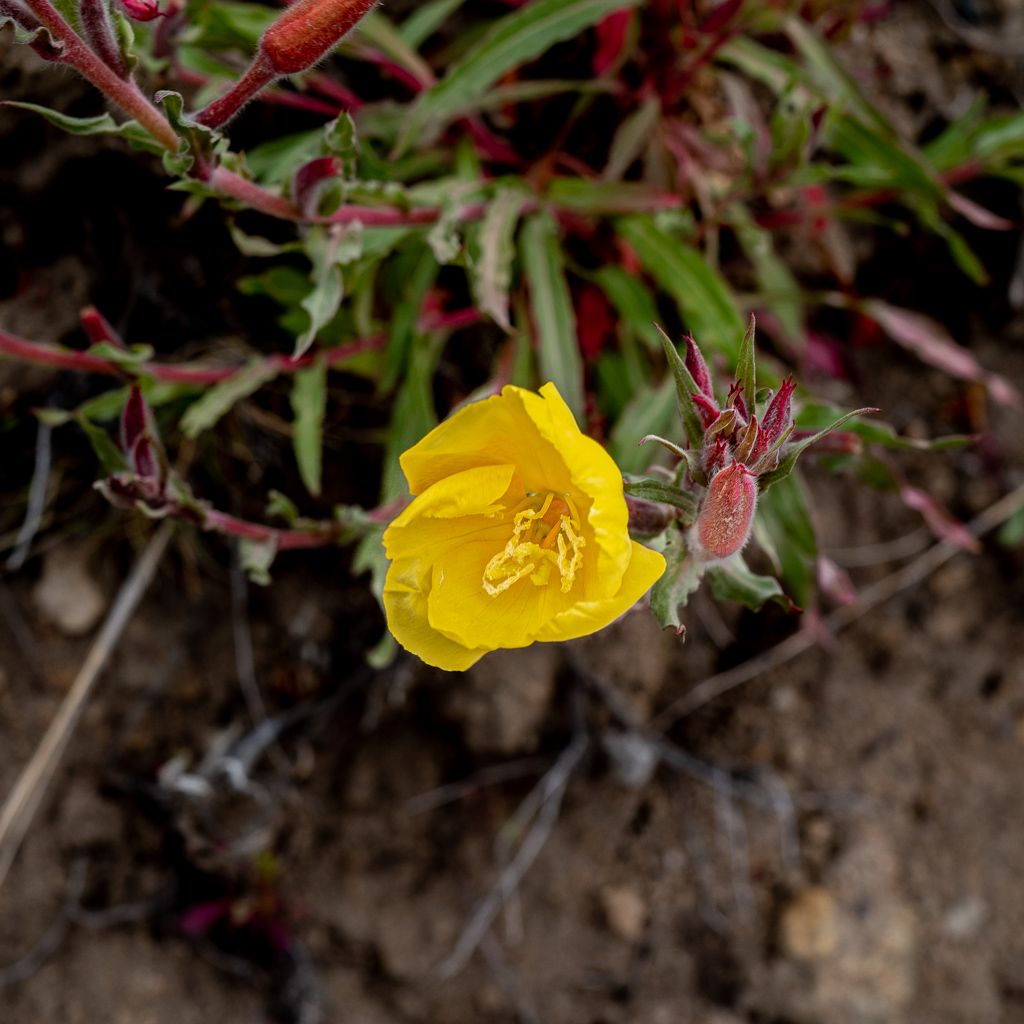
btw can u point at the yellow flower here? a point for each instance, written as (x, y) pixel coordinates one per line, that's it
(518, 533)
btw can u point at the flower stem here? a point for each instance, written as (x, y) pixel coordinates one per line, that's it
(71, 359)
(124, 92)
(258, 76)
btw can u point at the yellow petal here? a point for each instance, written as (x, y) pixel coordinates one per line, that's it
(593, 473)
(644, 570)
(460, 608)
(491, 432)
(465, 505)
(406, 607)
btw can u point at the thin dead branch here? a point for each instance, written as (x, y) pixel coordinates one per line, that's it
(22, 802)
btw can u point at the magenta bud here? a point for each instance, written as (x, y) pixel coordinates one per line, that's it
(308, 183)
(134, 419)
(727, 515)
(779, 414)
(714, 458)
(141, 10)
(698, 368)
(706, 410)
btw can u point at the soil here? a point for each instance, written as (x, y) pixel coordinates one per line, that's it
(326, 891)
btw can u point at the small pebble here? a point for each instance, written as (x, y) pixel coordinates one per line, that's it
(67, 595)
(809, 926)
(966, 919)
(624, 911)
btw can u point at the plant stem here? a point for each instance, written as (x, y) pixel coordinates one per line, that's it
(256, 78)
(124, 92)
(70, 359)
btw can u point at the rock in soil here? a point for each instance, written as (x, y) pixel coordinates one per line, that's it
(66, 593)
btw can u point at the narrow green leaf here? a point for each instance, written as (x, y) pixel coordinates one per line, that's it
(379, 31)
(792, 451)
(203, 413)
(102, 124)
(608, 197)
(426, 20)
(681, 578)
(111, 457)
(813, 416)
(686, 388)
(515, 39)
(492, 270)
(702, 295)
(631, 138)
(633, 302)
(309, 403)
(652, 411)
(783, 512)
(746, 373)
(652, 489)
(551, 304)
(732, 580)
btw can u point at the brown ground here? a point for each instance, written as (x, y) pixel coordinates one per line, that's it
(902, 748)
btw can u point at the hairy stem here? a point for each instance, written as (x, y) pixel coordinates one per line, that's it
(124, 92)
(259, 75)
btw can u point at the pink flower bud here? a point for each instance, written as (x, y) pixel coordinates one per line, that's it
(134, 419)
(735, 399)
(308, 30)
(141, 10)
(715, 457)
(727, 515)
(779, 414)
(706, 410)
(698, 368)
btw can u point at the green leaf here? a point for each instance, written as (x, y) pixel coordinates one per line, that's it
(551, 304)
(323, 302)
(103, 124)
(792, 450)
(681, 578)
(1011, 533)
(280, 505)
(426, 20)
(258, 246)
(746, 374)
(340, 141)
(256, 558)
(686, 387)
(608, 197)
(277, 161)
(309, 403)
(491, 271)
(515, 39)
(702, 295)
(199, 145)
(633, 302)
(413, 416)
(733, 581)
(420, 271)
(529, 91)
(784, 516)
(769, 67)
(813, 416)
(111, 457)
(203, 413)
(653, 489)
(631, 138)
(650, 411)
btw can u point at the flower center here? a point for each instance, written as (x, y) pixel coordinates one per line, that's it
(545, 532)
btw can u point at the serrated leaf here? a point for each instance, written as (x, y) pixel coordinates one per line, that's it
(202, 414)
(681, 578)
(686, 387)
(492, 270)
(702, 294)
(652, 489)
(732, 580)
(199, 144)
(103, 124)
(309, 403)
(558, 352)
(515, 39)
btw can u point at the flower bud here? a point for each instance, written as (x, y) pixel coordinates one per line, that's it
(706, 408)
(727, 515)
(779, 414)
(308, 30)
(698, 368)
(141, 10)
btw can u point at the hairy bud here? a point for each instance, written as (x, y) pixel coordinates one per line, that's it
(727, 515)
(698, 368)
(779, 415)
(308, 30)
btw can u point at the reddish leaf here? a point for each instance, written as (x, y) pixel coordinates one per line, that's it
(594, 321)
(98, 329)
(944, 525)
(134, 419)
(835, 583)
(978, 215)
(611, 37)
(720, 16)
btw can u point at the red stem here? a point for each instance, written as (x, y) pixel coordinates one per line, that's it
(70, 359)
(124, 92)
(258, 76)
